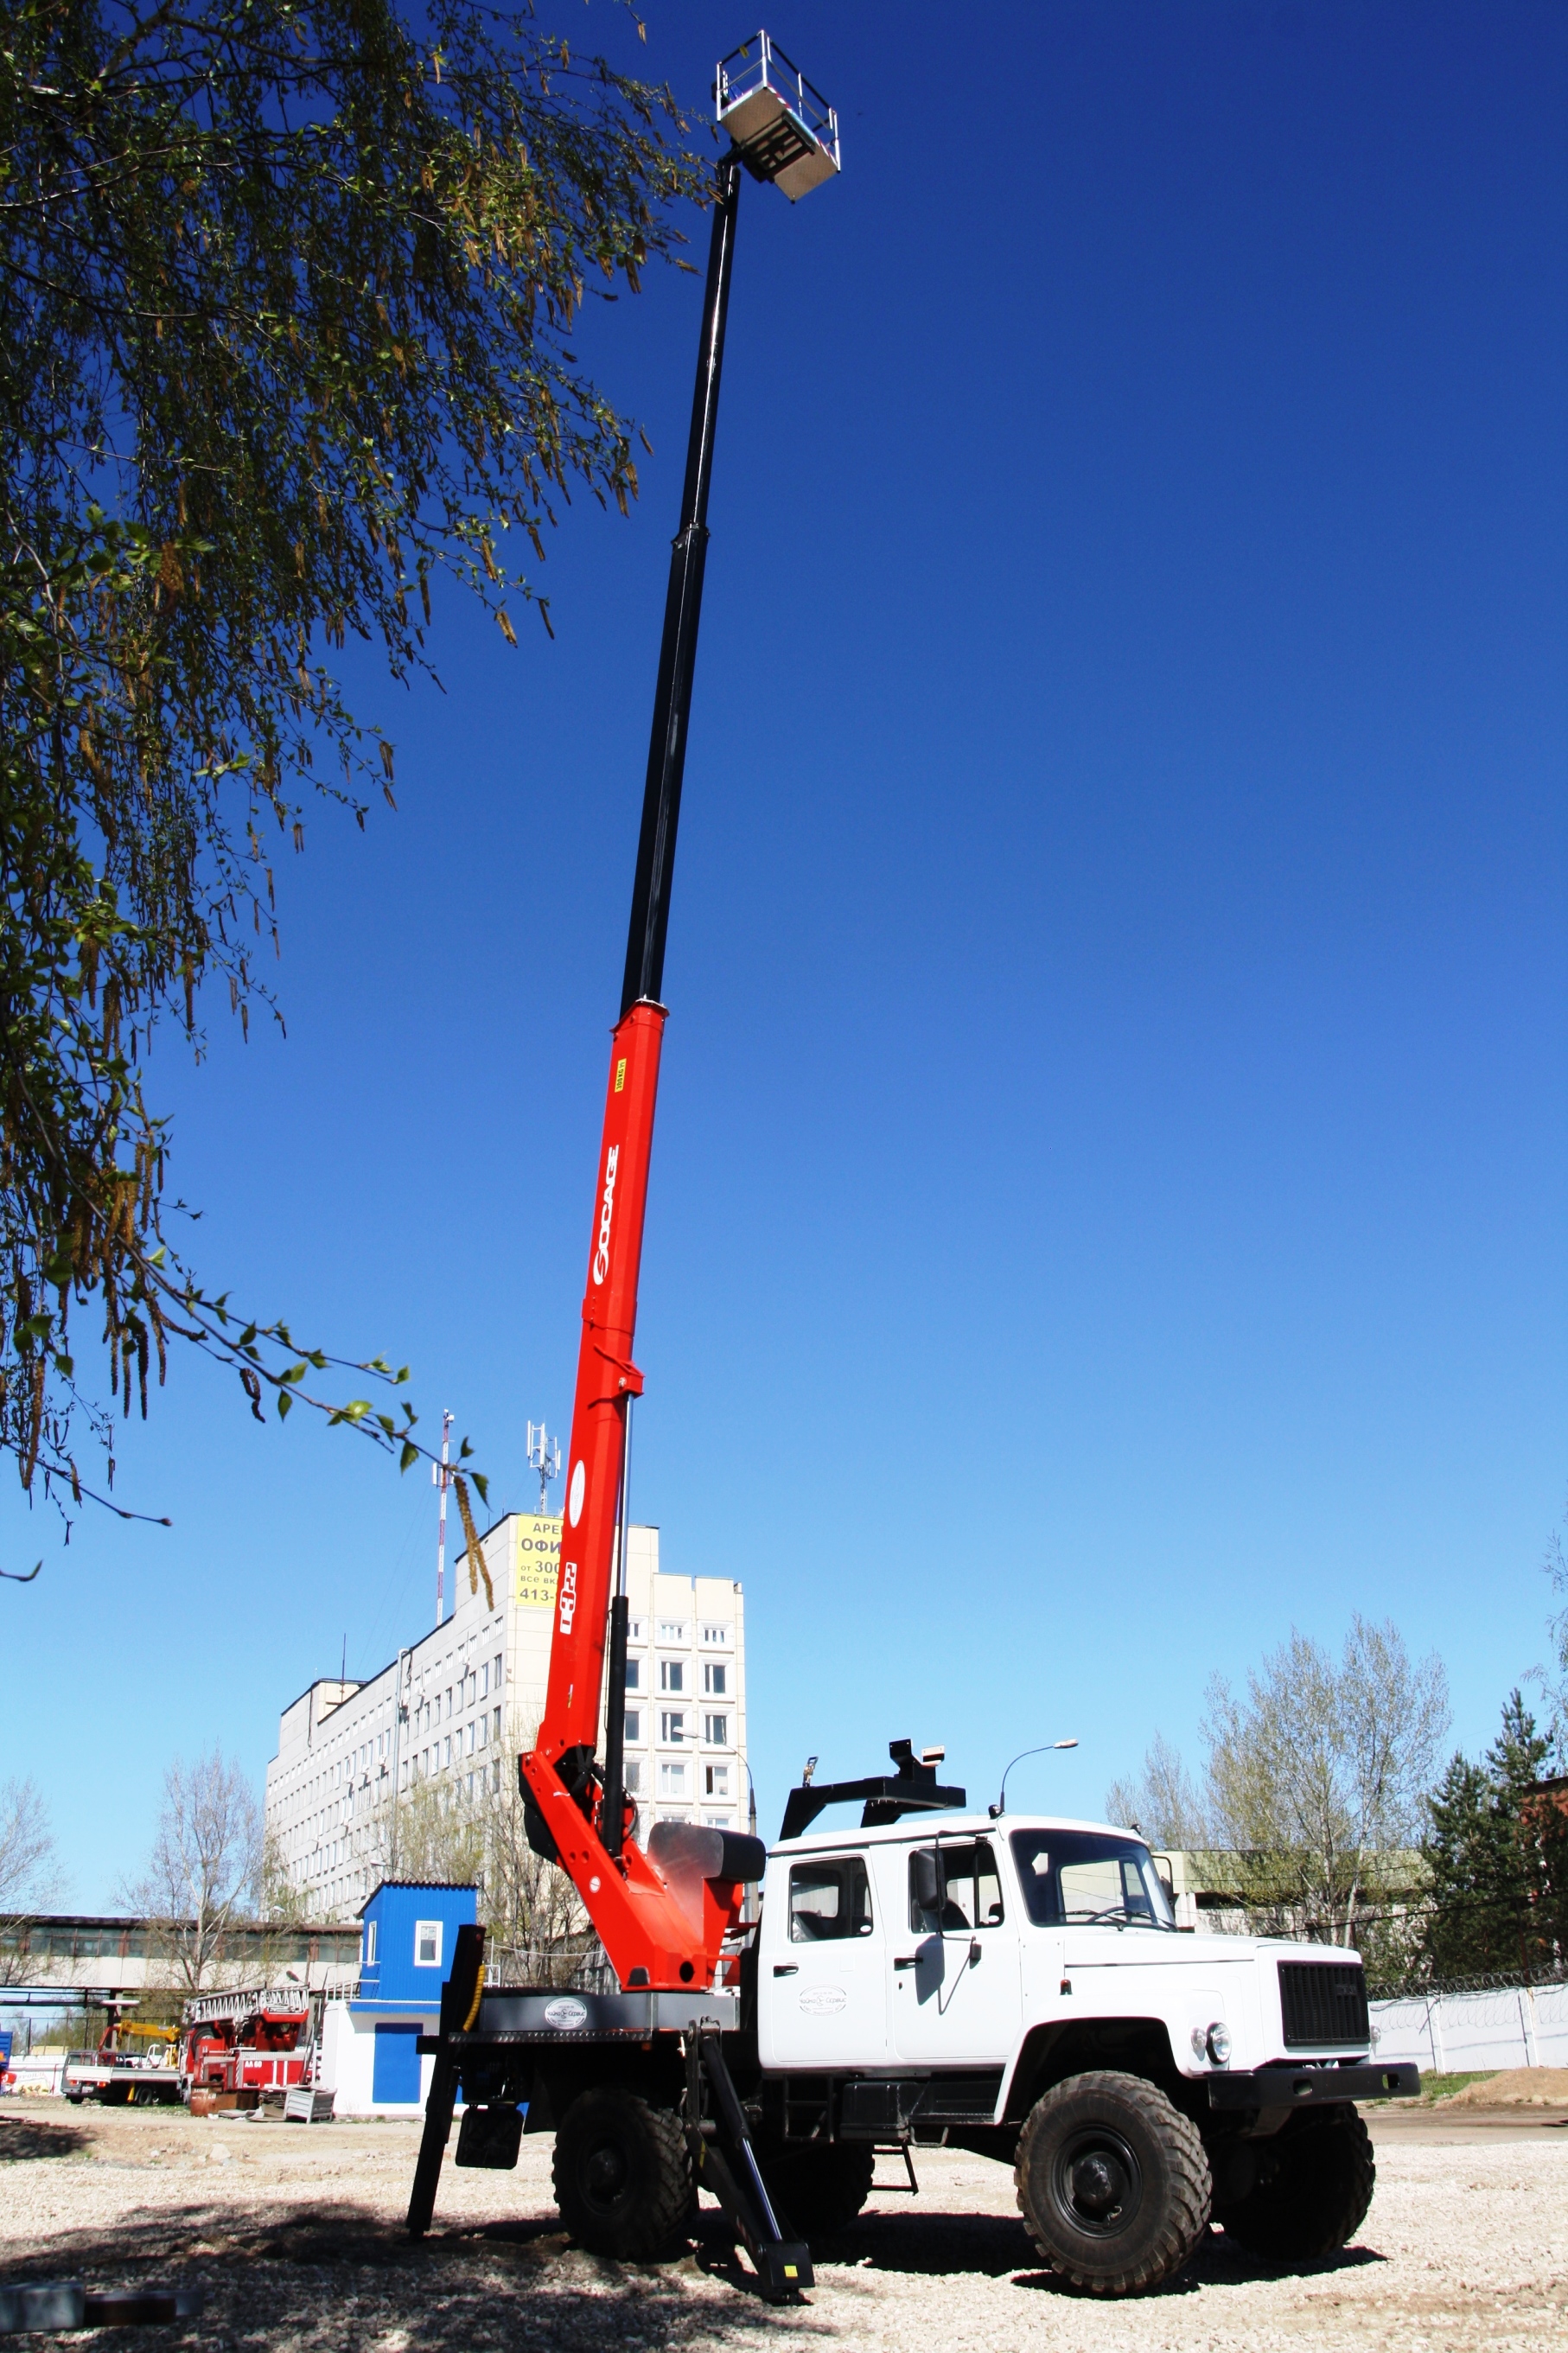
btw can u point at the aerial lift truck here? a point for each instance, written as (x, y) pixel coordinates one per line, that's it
(1010, 1984)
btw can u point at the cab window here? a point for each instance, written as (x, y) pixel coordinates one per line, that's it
(830, 1896)
(973, 1890)
(1090, 1878)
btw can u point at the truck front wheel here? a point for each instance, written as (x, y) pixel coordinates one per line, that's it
(1314, 2187)
(1113, 2183)
(821, 2190)
(622, 2174)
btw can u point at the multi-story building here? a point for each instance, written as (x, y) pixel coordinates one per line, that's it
(452, 1711)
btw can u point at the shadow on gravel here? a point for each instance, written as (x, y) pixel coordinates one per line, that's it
(1222, 2264)
(22, 2137)
(993, 2244)
(327, 2278)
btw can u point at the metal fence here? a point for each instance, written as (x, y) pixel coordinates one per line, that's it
(1472, 2033)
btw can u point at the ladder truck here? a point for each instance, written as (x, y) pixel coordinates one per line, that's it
(1014, 1985)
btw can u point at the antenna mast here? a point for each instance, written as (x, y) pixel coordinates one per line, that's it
(544, 1457)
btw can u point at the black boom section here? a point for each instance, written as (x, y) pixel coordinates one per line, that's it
(887, 1797)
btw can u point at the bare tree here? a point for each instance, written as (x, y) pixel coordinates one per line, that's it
(1162, 1801)
(534, 1922)
(29, 1872)
(1318, 1772)
(206, 1857)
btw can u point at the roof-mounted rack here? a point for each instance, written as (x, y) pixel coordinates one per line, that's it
(912, 1790)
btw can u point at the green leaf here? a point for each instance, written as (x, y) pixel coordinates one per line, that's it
(285, 1399)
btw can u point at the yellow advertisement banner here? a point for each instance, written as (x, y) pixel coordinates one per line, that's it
(538, 1563)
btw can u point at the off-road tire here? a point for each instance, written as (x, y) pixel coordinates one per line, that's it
(1113, 2183)
(1317, 2183)
(822, 2189)
(622, 2174)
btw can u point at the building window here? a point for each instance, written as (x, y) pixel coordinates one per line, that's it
(634, 1674)
(633, 1777)
(427, 1943)
(485, 1679)
(672, 1724)
(716, 1731)
(369, 1929)
(446, 1753)
(717, 1778)
(713, 1677)
(633, 1727)
(672, 1780)
(716, 1637)
(497, 1722)
(670, 1629)
(671, 1675)
(484, 1731)
(498, 1661)
(471, 1742)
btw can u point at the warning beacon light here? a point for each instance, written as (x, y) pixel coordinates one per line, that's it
(786, 130)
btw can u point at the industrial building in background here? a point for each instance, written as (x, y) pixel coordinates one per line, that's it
(452, 1711)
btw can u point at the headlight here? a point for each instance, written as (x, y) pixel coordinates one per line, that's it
(1219, 2042)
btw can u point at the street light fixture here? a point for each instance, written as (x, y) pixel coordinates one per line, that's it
(1000, 1806)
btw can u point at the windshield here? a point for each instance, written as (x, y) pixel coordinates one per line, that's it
(1082, 1876)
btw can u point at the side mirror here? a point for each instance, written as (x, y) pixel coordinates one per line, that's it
(930, 1889)
(1162, 1873)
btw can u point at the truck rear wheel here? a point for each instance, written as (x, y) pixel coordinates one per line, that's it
(622, 2174)
(1113, 2183)
(1314, 2185)
(821, 2190)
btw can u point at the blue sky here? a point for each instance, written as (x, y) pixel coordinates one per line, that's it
(1108, 1196)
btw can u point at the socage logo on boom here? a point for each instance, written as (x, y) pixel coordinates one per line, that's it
(601, 1255)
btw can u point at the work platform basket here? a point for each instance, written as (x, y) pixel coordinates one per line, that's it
(785, 130)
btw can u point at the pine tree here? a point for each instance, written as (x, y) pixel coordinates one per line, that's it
(1490, 1859)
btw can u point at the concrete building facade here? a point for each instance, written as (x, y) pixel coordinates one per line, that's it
(453, 1711)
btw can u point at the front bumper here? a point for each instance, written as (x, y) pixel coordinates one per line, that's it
(1308, 2087)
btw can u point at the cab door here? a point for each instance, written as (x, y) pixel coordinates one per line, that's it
(823, 1963)
(955, 1997)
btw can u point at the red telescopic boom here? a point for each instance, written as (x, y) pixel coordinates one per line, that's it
(661, 1915)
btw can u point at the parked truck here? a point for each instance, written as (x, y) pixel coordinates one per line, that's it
(1012, 1984)
(136, 2063)
(248, 2045)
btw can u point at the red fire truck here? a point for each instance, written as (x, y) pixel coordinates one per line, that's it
(247, 2045)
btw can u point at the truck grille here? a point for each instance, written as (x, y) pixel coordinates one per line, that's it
(1323, 2002)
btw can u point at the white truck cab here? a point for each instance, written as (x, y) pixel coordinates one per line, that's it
(953, 1943)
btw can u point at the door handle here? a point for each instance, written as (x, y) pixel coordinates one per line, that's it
(786, 1968)
(974, 1950)
(905, 1961)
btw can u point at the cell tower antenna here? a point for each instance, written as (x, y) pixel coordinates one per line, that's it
(441, 1476)
(544, 1457)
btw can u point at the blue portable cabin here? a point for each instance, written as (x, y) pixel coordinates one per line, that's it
(407, 1930)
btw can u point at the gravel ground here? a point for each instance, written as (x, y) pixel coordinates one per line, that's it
(296, 2233)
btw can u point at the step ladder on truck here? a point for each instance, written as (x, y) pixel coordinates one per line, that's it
(1009, 1984)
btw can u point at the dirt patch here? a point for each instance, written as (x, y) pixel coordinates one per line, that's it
(1516, 2087)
